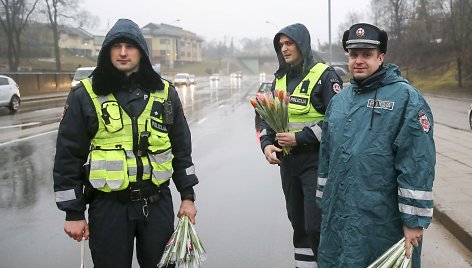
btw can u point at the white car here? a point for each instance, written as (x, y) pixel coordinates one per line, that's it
(214, 77)
(9, 94)
(182, 79)
(192, 79)
(81, 73)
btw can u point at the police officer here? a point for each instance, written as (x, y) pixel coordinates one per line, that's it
(377, 159)
(122, 137)
(311, 85)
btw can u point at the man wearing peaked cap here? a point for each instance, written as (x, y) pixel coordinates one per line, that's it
(377, 159)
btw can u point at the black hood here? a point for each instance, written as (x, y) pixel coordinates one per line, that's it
(300, 35)
(107, 79)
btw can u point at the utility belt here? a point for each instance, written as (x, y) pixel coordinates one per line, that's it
(136, 191)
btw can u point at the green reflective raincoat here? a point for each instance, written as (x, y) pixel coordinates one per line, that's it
(376, 169)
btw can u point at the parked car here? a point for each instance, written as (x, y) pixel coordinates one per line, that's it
(214, 77)
(182, 79)
(470, 116)
(265, 86)
(9, 94)
(81, 73)
(192, 79)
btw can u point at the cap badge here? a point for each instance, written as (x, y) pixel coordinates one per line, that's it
(360, 32)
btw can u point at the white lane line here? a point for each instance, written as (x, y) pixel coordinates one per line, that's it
(27, 138)
(21, 125)
(202, 120)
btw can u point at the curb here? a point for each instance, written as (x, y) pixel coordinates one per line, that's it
(455, 229)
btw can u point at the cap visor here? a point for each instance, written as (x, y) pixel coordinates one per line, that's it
(361, 45)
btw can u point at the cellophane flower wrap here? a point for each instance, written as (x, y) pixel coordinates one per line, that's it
(394, 257)
(184, 248)
(273, 108)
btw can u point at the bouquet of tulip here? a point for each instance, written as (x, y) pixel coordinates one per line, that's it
(394, 257)
(273, 108)
(184, 248)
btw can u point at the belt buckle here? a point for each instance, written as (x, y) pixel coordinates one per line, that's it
(135, 195)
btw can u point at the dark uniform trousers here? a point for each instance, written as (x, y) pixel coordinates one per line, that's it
(114, 225)
(299, 172)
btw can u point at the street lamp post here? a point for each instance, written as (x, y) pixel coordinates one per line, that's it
(329, 34)
(174, 21)
(273, 24)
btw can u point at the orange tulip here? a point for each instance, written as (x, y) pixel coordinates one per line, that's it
(253, 102)
(263, 100)
(281, 95)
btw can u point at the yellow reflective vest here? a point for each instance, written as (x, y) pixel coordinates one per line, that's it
(113, 160)
(301, 112)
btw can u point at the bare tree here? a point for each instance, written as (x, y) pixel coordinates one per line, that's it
(460, 25)
(14, 18)
(57, 10)
(61, 12)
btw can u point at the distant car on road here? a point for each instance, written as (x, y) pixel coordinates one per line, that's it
(470, 116)
(9, 94)
(214, 77)
(265, 86)
(236, 75)
(192, 79)
(182, 79)
(81, 73)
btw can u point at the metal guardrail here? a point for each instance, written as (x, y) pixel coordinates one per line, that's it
(31, 83)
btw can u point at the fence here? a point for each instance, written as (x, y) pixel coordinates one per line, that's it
(36, 83)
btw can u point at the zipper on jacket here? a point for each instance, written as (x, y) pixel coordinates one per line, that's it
(139, 162)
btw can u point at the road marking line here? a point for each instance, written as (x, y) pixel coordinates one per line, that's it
(27, 138)
(21, 125)
(202, 120)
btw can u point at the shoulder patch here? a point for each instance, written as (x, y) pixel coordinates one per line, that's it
(424, 121)
(336, 87)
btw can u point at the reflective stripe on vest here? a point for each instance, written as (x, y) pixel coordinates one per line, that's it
(301, 112)
(113, 163)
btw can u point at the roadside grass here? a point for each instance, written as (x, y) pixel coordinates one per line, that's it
(439, 81)
(442, 82)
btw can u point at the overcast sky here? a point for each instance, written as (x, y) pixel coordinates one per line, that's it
(215, 19)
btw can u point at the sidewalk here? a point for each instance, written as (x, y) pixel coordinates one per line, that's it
(453, 183)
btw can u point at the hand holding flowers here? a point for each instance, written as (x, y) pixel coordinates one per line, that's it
(273, 108)
(184, 247)
(394, 257)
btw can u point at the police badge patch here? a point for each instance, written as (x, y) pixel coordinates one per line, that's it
(336, 88)
(424, 121)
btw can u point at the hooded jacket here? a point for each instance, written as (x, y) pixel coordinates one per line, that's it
(80, 124)
(329, 83)
(376, 169)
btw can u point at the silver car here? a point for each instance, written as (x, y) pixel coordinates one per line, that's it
(9, 94)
